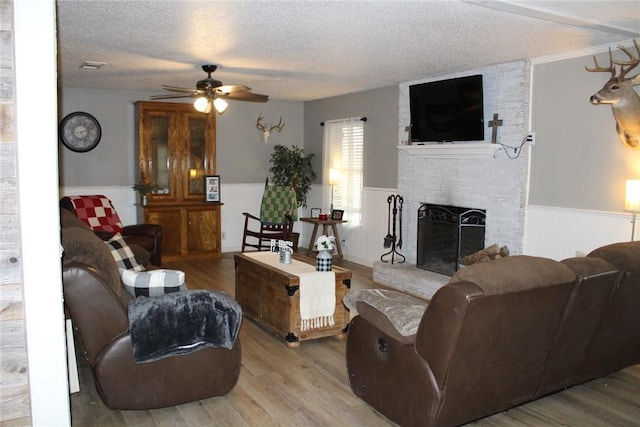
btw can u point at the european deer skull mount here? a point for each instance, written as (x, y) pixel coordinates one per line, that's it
(266, 130)
(619, 93)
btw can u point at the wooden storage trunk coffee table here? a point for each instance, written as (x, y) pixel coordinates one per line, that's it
(271, 297)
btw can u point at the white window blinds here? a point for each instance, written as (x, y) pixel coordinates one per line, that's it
(343, 166)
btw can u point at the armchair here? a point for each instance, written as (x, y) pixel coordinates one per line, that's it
(104, 323)
(98, 213)
(278, 211)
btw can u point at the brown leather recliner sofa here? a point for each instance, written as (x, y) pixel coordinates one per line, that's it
(500, 334)
(96, 301)
(148, 236)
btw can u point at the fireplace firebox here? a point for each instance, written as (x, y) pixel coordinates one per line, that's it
(446, 234)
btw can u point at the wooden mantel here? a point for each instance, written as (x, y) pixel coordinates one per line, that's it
(459, 150)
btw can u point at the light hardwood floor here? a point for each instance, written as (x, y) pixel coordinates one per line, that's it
(308, 386)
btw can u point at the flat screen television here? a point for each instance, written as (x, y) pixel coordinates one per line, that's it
(447, 110)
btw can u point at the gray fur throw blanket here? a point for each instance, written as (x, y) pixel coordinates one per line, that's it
(403, 311)
(182, 322)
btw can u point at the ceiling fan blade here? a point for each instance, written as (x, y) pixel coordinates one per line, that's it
(179, 89)
(245, 96)
(186, 95)
(211, 89)
(223, 90)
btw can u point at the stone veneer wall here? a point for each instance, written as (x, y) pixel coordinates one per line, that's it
(453, 175)
(15, 398)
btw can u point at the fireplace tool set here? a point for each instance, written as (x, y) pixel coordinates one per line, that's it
(393, 240)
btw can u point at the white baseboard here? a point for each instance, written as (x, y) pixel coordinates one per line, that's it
(74, 383)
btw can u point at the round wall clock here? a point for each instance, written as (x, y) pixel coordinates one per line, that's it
(80, 132)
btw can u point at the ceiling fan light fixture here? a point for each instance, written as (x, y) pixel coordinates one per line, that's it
(221, 105)
(202, 104)
(210, 92)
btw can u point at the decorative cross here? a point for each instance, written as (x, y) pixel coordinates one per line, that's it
(494, 124)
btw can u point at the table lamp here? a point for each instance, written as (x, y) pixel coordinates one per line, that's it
(632, 202)
(334, 179)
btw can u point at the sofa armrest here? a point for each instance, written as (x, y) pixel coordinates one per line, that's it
(382, 323)
(142, 255)
(391, 376)
(150, 230)
(127, 385)
(138, 233)
(104, 235)
(96, 311)
(395, 313)
(249, 216)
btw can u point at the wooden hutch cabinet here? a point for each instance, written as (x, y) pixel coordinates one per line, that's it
(176, 150)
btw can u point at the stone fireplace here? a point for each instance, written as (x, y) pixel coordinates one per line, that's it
(477, 174)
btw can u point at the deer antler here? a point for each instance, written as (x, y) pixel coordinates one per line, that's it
(632, 63)
(266, 130)
(260, 125)
(611, 68)
(279, 126)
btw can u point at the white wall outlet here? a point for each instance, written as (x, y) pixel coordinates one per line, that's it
(224, 235)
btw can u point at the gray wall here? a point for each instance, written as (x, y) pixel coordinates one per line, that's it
(578, 161)
(242, 156)
(380, 106)
(111, 162)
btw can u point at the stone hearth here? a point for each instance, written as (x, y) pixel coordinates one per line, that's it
(408, 278)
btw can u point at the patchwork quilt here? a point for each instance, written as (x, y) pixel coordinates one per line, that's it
(97, 212)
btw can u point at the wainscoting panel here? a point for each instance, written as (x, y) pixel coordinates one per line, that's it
(365, 244)
(560, 233)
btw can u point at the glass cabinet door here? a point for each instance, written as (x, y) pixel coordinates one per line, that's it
(159, 164)
(176, 150)
(196, 157)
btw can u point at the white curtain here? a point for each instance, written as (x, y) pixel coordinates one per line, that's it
(343, 167)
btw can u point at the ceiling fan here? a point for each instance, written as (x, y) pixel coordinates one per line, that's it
(210, 91)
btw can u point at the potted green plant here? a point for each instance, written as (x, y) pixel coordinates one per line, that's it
(144, 188)
(291, 166)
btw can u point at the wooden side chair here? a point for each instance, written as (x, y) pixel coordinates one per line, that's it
(278, 211)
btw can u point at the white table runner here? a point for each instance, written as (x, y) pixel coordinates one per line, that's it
(317, 289)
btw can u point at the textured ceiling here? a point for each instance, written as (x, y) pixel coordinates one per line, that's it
(305, 50)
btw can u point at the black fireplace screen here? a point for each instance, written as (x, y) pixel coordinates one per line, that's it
(446, 234)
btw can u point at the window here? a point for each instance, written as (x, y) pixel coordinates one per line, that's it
(343, 170)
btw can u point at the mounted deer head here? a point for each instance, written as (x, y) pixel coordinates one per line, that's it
(266, 130)
(619, 93)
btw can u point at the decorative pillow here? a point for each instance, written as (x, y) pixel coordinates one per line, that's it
(97, 212)
(123, 254)
(152, 283)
